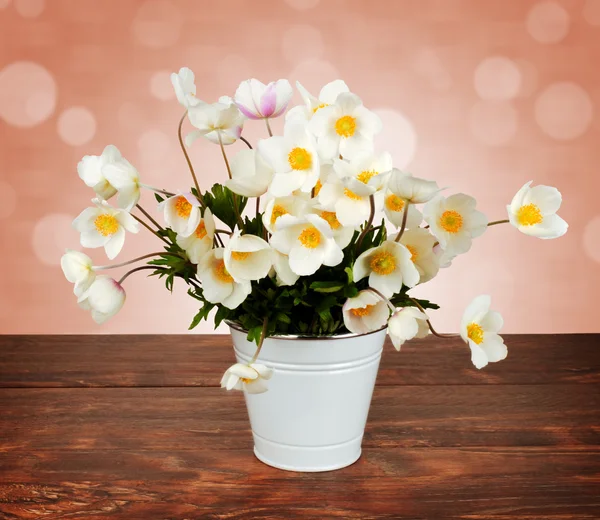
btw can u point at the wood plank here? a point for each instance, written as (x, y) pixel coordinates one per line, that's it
(494, 483)
(198, 419)
(193, 360)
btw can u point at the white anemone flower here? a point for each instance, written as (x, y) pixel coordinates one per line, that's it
(278, 206)
(104, 298)
(345, 128)
(78, 270)
(388, 266)
(104, 226)
(366, 167)
(251, 174)
(182, 213)
(250, 378)
(259, 101)
(282, 271)
(200, 241)
(455, 222)
(247, 257)
(364, 313)
(308, 242)
(90, 171)
(126, 180)
(533, 212)
(312, 104)
(218, 122)
(412, 189)
(185, 88)
(218, 285)
(405, 324)
(420, 243)
(342, 234)
(479, 329)
(294, 159)
(394, 207)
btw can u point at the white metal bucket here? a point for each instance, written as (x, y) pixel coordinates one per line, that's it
(313, 416)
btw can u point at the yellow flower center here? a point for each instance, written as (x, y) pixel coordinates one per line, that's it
(310, 237)
(366, 176)
(451, 221)
(300, 159)
(221, 272)
(240, 255)
(394, 203)
(352, 195)
(322, 105)
(318, 187)
(362, 311)
(383, 263)
(413, 252)
(183, 207)
(278, 211)
(201, 230)
(331, 219)
(529, 215)
(106, 224)
(345, 126)
(475, 333)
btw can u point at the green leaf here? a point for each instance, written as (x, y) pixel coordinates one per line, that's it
(222, 202)
(201, 315)
(326, 287)
(350, 274)
(158, 197)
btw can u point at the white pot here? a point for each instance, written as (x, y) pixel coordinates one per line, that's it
(313, 416)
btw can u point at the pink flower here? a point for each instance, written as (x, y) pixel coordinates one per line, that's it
(259, 101)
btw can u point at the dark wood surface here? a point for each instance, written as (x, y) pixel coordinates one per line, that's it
(135, 427)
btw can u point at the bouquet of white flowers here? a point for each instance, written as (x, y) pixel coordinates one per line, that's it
(335, 245)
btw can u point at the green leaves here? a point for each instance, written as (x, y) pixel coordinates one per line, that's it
(223, 202)
(327, 287)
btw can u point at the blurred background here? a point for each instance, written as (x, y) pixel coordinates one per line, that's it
(480, 95)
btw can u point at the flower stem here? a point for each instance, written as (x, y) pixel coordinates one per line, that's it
(150, 229)
(246, 141)
(268, 127)
(433, 331)
(187, 158)
(369, 222)
(122, 264)
(236, 206)
(157, 190)
(389, 303)
(263, 334)
(225, 157)
(149, 217)
(143, 267)
(496, 222)
(225, 232)
(257, 206)
(403, 226)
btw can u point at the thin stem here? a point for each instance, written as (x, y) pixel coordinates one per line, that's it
(496, 222)
(157, 190)
(246, 141)
(236, 206)
(268, 127)
(225, 157)
(143, 267)
(389, 303)
(223, 231)
(187, 158)
(433, 331)
(403, 226)
(257, 206)
(263, 334)
(150, 229)
(148, 216)
(369, 222)
(122, 264)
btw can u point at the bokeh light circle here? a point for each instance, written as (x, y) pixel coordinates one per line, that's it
(157, 24)
(564, 111)
(302, 42)
(4, 4)
(591, 242)
(161, 86)
(591, 12)
(398, 136)
(302, 5)
(548, 22)
(497, 77)
(30, 8)
(27, 94)
(493, 123)
(52, 235)
(76, 126)
(8, 199)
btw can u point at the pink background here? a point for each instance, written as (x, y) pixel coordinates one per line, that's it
(480, 95)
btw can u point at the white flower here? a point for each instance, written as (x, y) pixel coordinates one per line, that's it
(78, 270)
(394, 207)
(278, 206)
(259, 101)
(182, 213)
(308, 242)
(388, 266)
(348, 198)
(200, 241)
(412, 189)
(126, 180)
(218, 285)
(90, 169)
(533, 212)
(216, 121)
(342, 234)
(283, 271)
(104, 298)
(251, 174)
(250, 378)
(454, 222)
(327, 96)
(366, 167)
(247, 257)
(365, 312)
(185, 88)
(479, 328)
(104, 226)
(345, 128)
(420, 243)
(406, 324)
(294, 159)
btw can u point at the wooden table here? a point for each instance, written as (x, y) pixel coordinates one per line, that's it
(134, 427)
